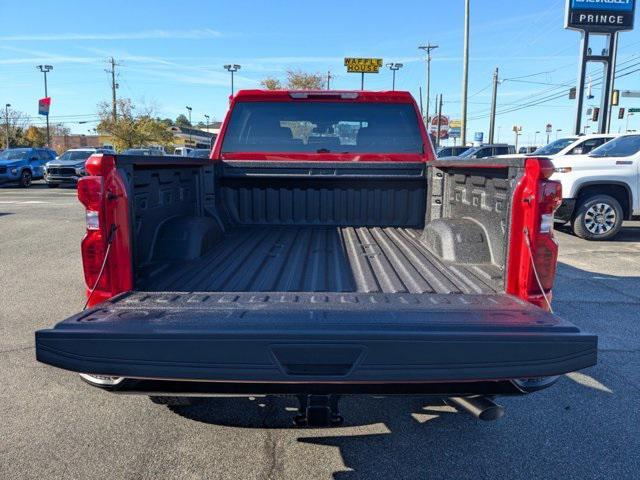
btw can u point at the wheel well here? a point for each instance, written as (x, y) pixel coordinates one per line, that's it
(617, 191)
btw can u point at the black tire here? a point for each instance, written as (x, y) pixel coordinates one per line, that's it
(598, 217)
(25, 179)
(53, 185)
(174, 401)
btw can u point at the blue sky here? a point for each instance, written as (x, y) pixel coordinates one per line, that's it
(171, 53)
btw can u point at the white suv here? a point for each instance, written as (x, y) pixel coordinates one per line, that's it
(600, 190)
(575, 145)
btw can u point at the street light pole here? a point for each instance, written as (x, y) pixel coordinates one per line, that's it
(189, 109)
(232, 68)
(626, 128)
(207, 122)
(558, 131)
(394, 67)
(6, 117)
(535, 137)
(329, 77)
(428, 48)
(465, 75)
(46, 69)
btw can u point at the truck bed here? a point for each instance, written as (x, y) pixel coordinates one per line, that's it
(323, 259)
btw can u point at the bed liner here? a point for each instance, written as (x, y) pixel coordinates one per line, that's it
(324, 259)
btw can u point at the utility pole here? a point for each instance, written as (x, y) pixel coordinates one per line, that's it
(6, 117)
(394, 67)
(428, 48)
(439, 120)
(114, 87)
(46, 69)
(535, 137)
(232, 68)
(492, 124)
(329, 77)
(465, 74)
(190, 125)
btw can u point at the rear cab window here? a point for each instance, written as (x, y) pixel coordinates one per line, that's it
(323, 127)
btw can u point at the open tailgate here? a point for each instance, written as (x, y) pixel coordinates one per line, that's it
(316, 337)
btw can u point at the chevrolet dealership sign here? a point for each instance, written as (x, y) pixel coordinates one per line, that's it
(600, 15)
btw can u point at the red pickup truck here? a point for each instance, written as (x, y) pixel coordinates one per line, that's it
(322, 250)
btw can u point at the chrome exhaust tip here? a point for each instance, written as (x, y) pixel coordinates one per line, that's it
(101, 380)
(480, 407)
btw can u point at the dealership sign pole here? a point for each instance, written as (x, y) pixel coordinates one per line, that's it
(604, 17)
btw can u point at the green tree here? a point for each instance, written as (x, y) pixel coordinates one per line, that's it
(35, 136)
(131, 130)
(182, 121)
(299, 80)
(296, 80)
(16, 122)
(270, 83)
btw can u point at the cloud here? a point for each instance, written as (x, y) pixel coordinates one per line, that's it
(143, 35)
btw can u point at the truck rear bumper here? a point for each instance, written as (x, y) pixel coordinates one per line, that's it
(316, 339)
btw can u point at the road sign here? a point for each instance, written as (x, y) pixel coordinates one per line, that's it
(634, 110)
(363, 65)
(444, 126)
(630, 93)
(43, 105)
(549, 128)
(600, 15)
(478, 137)
(621, 113)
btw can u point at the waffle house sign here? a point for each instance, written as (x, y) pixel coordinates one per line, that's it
(363, 65)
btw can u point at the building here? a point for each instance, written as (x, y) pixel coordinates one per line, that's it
(192, 137)
(61, 143)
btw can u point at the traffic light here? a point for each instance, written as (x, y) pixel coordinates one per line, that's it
(621, 113)
(596, 114)
(615, 98)
(572, 93)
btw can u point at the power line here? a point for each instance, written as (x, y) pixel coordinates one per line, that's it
(556, 96)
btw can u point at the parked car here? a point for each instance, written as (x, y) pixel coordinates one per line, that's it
(527, 150)
(600, 190)
(452, 151)
(200, 153)
(574, 145)
(488, 150)
(23, 165)
(312, 264)
(182, 151)
(68, 168)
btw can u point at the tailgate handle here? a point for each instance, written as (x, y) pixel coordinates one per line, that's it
(317, 359)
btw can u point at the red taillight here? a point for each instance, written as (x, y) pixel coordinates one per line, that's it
(106, 250)
(534, 252)
(90, 192)
(93, 252)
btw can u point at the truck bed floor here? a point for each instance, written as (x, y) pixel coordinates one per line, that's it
(322, 259)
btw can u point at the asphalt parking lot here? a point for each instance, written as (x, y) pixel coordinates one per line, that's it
(55, 426)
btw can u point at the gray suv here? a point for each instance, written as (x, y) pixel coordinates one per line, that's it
(69, 167)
